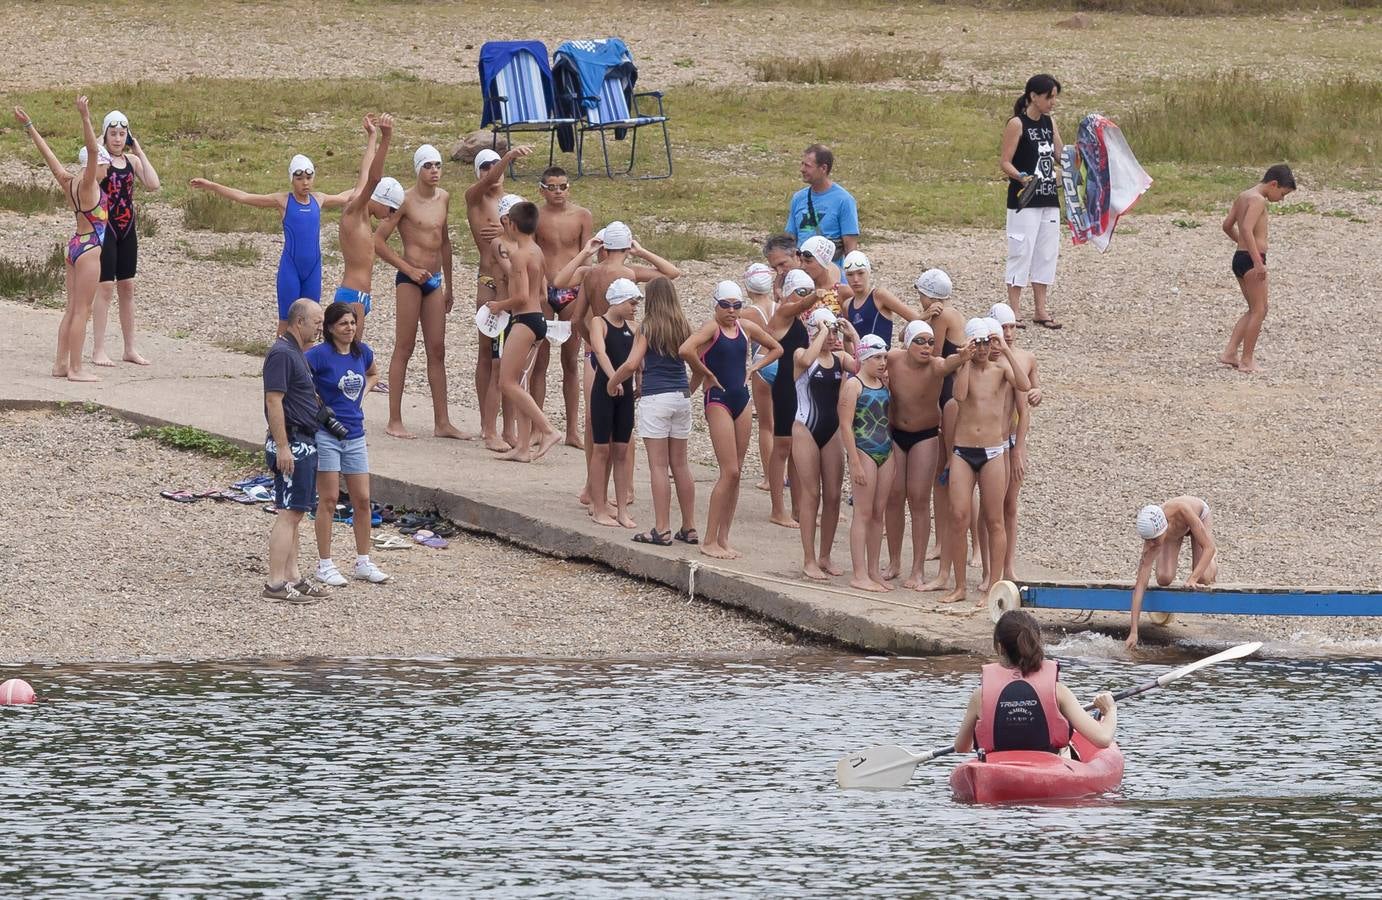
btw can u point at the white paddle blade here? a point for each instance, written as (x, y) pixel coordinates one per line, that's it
(1238, 652)
(880, 768)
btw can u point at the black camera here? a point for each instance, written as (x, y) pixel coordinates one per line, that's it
(329, 423)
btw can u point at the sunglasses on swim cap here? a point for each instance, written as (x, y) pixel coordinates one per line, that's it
(303, 173)
(803, 292)
(484, 166)
(730, 304)
(805, 254)
(982, 340)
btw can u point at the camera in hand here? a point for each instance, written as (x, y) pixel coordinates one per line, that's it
(329, 423)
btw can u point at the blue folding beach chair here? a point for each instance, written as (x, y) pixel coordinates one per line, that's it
(516, 84)
(595, 84)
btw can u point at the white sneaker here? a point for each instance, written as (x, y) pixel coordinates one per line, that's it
(329, 575)
(368, 571)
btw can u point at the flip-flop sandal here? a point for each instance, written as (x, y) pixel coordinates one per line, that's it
(390, 542)
(1049, 323)
(687, 536)
(428, 539)
(381, 387)
(259, 493)
(179, 496)
(445, 529)
(240, 497)
(653, 536)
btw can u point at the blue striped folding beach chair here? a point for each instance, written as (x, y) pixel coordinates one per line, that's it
(516, 83)
(596, 82)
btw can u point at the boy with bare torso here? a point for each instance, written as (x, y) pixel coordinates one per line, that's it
(1246, 226)
(374, 198)
(482, 213)
(980, 439)
(915, 375)
(1163, 530)
(422, 289)
(518, 260)
(1020, 406)
(563, 228)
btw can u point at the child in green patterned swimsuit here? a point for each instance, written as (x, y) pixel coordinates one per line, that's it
(868, 447)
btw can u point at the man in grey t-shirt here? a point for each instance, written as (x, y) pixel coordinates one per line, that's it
(290, 450)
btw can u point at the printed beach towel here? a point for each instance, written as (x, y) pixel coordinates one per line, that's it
(1102, 180)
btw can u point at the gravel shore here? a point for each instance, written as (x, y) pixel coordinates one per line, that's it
(98, 566)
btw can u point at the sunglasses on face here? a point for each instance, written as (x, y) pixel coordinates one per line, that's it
(484, 166)
(983, 342)
(924, 340)
(805, 254)
(555, 187)
(730, 304)
(303, 173)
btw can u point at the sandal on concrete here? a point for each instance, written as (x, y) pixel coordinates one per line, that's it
(687, 536)
(653, 536)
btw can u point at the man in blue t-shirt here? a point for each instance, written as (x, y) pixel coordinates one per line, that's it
(823, 207)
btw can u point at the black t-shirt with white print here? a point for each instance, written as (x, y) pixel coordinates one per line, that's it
(1036, 155)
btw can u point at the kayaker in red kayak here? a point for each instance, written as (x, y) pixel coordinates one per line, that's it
(1020, 705)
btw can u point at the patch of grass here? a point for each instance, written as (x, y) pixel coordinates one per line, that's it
(856, 66)
(29, 198)
(247, 346)
(146, 223)
(912, 159)
(1177, 7)
(207, 212)
(1185, 223)
(194, 440)
(38, 282)
(1238, 119)
(680, 246)
(241, 253)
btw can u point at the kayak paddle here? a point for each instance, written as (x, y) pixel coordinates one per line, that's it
(890, 767)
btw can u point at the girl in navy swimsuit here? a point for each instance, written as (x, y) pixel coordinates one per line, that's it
(819, 371)
(718, 354)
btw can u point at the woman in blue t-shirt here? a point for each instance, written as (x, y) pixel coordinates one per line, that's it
(344, 371)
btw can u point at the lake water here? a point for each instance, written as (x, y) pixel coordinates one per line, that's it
(665, 777)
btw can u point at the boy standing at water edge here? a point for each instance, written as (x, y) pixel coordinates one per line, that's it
(1246, 226)
(1163, 530)
(422, 290)
(562, 230)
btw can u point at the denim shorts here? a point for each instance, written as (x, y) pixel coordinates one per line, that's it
(348, 457)
(297, 491)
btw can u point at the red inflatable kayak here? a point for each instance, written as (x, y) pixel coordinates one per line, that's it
(1016, 776)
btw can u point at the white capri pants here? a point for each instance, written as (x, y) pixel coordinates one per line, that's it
(1033, 245)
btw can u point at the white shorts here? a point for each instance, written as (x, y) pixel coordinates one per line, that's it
(665, 416)
(1033, 245)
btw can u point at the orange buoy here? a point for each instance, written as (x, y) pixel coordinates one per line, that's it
(16, 691)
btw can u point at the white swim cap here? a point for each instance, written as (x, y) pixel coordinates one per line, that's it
(1151, 522)
(617, 236)
(977, 330)
(424, 155)
(102, 156)
(758, 278)
(728, 290)
(300, 163)
(870, 345)
(1003, 313)
(797, 280)
(915, 328)
(621, 290)
(508, 202)
(388, 192)
(114, 119)
(995, 327)
(854, 260)
(821, 317)
(935, 284)
(822, 249)
(485, 156)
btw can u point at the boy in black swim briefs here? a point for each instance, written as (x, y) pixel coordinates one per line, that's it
(1246, 226)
